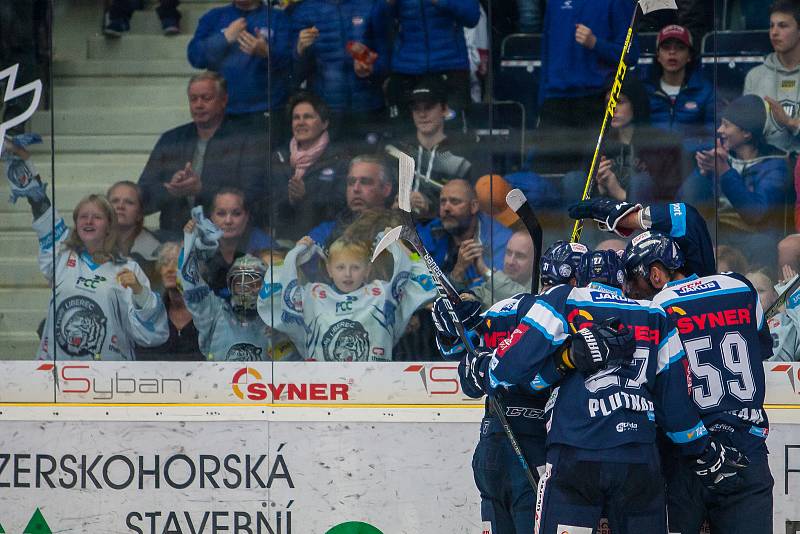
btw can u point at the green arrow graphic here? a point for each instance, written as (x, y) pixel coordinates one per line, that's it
(354, 527)
(37, 525)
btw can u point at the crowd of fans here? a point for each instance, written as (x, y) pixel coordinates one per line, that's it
(272, 198)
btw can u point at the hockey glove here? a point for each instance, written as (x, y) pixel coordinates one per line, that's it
(472, 372)
(718, 467)
(608, 213)
(467, 311)
(208, 233)
(598, 346)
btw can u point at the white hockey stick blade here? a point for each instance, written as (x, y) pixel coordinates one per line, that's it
(389, 237)
(405, 175)
(515, 199)
(655, 5)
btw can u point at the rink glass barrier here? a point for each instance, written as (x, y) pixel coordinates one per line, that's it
(106, 101)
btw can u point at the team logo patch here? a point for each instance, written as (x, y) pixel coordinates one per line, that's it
(80, 326)
(292, 297)
(398, 283)
(620, 277)
(345, 341)
(244, 352)
(358, 21)
(189, 270)
(565, 270)
(327, 174)
(692, 105)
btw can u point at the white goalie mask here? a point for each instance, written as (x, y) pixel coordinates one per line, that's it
(245, 278)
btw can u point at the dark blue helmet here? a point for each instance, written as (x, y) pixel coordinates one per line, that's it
(603, 266)
(647, 248)
(560, 262)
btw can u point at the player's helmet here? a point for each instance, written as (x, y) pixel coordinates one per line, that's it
(560, 262)
(245, 278)
(650, 247)
(603, 266)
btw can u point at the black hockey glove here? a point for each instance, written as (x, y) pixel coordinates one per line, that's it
(718, 467)
(598, 346)
(468, 312)
(607, 212)
(472, 371)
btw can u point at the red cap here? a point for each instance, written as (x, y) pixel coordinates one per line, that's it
(673, 31)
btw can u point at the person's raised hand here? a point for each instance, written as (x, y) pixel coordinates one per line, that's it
(127, 278)
(234, 29)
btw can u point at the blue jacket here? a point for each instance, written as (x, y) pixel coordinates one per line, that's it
(326, 63)
(431, 35)
(691, 115)
(492, 234)
(571, 70)
(758, 193)
(246, 75)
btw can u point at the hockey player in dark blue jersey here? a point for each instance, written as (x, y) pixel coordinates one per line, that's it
(680, 221)
(507, 498)
(601, 452)
(726, 338)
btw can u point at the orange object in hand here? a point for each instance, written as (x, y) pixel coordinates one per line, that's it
(361, 52)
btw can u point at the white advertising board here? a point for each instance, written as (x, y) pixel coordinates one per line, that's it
(393, 383)
(237, 477)
(266, 477)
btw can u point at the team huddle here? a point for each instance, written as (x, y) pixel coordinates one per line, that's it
(633, 382)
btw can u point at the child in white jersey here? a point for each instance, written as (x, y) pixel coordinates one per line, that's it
(354, 318)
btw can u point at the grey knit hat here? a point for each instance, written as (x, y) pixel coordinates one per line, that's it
(748, 112)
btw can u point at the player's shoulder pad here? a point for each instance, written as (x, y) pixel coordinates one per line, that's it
(698, 287)
(504, 307)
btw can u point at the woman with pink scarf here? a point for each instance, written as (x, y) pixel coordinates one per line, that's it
(310, 180)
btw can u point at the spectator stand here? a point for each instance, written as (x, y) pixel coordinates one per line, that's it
(518, 76)
(727, 56)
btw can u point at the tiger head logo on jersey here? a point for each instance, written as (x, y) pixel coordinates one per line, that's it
(80, 327)
(244, 352)
(346, 341)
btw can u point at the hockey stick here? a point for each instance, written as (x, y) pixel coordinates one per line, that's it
(516, 201)
(408, 232)
(642, 7)
(772, 311)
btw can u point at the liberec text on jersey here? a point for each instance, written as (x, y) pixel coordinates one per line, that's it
(603, 407)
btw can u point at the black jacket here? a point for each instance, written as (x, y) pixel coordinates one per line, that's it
(233, 158)
(326, 184)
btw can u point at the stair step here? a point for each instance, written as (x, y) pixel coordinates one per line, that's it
(18, 244)
(128, 120)
(97, 96)
(19, 345)
(21, 273)
(14, 320)
(124, 71)
(147, 22)
(98, 144)
(138, 47)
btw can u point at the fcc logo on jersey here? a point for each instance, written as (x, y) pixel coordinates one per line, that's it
(80, 327)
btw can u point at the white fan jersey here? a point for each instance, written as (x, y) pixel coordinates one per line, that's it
(91, 316)
(328, 325)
